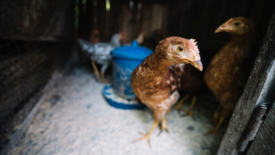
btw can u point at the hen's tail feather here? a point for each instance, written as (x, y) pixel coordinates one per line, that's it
(86, 46)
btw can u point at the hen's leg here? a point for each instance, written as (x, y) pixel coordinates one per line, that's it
(190, 110)
(95, 69)
(148, 135)
(178, 107)
(103, 69)
(216, 115)
(215, 130)
(163, 125)
(102, 77)
(224, 113)
(157, 118)
(159, 114)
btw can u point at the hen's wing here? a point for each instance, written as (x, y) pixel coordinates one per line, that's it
(86, 46)
(102, 52)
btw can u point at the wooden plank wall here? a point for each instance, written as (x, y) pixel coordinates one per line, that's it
(128, 17)
(142, 18)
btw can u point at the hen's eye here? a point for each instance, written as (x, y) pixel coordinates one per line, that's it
(180, 48)
(237, 23)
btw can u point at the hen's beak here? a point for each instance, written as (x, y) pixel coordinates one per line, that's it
(224, 27)
(221, 28)
(198, 65)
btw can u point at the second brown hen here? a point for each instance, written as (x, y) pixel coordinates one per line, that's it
(227, 73)
(191, 85)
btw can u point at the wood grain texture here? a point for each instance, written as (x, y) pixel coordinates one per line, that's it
(264, 141)
(33, 20)
(252, 94)
(146, 19)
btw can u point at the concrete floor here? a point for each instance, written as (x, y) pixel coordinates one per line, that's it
(80, 122)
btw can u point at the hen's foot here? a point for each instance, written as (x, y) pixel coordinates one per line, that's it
(145, 137)
(216, 115)
(163, 126)
(148, 135)
(188, 112)
(212, 131)
(178, 107)
(215, 130)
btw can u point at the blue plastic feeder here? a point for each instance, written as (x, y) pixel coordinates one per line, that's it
(125, 60)
(119, 102)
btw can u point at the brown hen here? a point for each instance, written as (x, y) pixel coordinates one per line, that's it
(227, 74)
(191, 84)
(155, 84)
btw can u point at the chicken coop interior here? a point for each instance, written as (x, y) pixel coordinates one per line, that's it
(137, 77)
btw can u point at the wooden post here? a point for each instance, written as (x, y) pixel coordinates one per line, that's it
(264, 142)
(255, 92)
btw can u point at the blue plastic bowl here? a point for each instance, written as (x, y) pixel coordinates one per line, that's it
(125, 60)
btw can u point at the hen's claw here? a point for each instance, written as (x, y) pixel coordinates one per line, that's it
(216, 128)
(189, 112)
(178, 108)
(212, 130)
(145, 136)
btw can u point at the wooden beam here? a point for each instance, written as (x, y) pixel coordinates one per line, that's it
(254, 92)
(264, 142)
